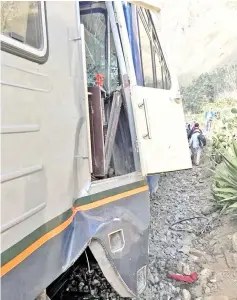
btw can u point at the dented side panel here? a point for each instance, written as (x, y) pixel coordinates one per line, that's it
(129, 214)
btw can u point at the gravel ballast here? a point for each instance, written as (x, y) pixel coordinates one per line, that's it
(180, 215)
(177, 222)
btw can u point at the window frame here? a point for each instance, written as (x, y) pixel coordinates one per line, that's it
(102, 11)
(26, 51)
(143, 17)
(156, 49)
(108, 32)
(156, 56)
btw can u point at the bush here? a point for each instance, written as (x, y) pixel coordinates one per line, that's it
(208, 88)
(225, 181)
(224, 130)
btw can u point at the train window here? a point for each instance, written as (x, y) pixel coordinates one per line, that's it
(146, 53)
(155, 70)
(23, 27)
(162, 74)
(159, 78)
(95, 37)
(101, 57)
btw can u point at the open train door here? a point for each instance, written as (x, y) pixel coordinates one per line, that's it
(160, 127)
(158, 111)
(157, 105)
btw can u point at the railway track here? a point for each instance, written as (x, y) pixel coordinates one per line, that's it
(83, 281)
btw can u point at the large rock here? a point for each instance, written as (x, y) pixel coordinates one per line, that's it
(195, 30)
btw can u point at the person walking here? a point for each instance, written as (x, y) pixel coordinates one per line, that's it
(195, 144)
(193, 128)
(209, 118)
(188, 128)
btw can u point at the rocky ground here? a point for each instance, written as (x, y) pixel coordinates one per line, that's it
(187, 235)
(206, 243)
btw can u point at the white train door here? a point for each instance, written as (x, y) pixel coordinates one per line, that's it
(157, 105)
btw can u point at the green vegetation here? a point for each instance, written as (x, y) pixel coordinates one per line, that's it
(217, 91)
(208, 87)
(223, 131)
(225, 181)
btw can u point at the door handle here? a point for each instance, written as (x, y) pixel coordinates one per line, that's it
(144, 106)
(177, 98)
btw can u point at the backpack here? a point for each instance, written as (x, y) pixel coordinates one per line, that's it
(193, 130)
(202, 140)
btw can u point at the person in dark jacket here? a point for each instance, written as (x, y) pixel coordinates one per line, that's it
(188, 128)
(194, 129)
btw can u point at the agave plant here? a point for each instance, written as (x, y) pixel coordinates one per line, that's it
(225, 181)
(224, 130)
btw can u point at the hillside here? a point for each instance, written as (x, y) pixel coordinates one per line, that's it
(201, 34)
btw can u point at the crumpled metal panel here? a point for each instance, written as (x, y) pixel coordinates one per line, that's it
(43, 266)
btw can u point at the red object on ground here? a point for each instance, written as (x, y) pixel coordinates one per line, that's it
(185, 278)
(99, 79)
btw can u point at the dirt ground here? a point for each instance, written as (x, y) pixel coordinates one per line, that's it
(205, 243)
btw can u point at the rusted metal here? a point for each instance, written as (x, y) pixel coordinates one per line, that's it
(112, 127)
(96, 128)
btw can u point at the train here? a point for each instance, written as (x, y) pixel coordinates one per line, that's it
(91, 109)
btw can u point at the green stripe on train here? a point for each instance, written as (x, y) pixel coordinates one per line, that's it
(108, 193)
(16, 249)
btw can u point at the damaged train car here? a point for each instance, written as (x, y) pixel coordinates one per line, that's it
(89, 101)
